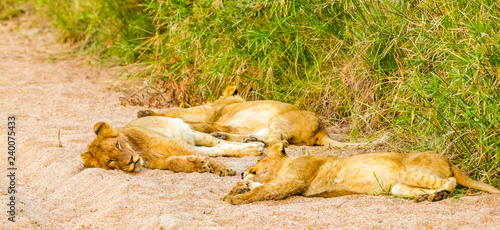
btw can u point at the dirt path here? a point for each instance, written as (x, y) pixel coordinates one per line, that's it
(54, 191)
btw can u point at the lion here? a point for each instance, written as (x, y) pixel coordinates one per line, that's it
(234, 119)
(420, 175)
(162, 143)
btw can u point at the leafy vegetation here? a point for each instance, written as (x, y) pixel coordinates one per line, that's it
(428, 70)
(11, 8)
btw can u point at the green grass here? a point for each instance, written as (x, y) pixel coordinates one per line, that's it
(12, 8)
(428, 70)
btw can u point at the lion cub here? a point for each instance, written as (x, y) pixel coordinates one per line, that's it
(423, 175)
(162, 143)
(234, 119)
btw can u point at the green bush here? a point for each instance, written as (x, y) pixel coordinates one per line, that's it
(12, 8)
(429, 70)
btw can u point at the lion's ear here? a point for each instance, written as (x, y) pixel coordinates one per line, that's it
(89, 161)
(277, 150)
(230, 91)
(283, 153)
(104, 129)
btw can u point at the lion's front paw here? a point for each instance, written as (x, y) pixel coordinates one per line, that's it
(144, 113)
(220, 169)
(253, 149)
(240, 188)
(232, 199)
(200, 164)
(224, 172)
(219, 136)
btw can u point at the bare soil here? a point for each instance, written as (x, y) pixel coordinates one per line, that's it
(49, 91)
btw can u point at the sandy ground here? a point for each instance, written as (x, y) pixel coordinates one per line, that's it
(47, 91)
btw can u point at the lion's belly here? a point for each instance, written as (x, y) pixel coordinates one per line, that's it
(252, 116)
(251, 120)
(372, 175)
(372, 179)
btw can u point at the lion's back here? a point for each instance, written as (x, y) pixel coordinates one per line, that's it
(166, 127)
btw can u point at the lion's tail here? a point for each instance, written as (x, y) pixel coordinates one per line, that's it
(468, 182)
(331, 143)
(324, 139)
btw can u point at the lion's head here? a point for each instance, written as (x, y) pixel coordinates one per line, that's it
(267, 167)
(111, 150)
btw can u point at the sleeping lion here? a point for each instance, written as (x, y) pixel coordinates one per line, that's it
(234, 119)
(422, 176)
(162, 143)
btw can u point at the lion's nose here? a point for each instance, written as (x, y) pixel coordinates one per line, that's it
(131, 160)
(242, 176)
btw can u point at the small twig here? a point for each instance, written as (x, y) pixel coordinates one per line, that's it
(59, 138)
(134, 93)
(159, 92)
(341, 204)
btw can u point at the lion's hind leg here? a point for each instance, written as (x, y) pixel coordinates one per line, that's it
(203, 139)
(425, 186)
(417, 193)
(259, 136)
(428, 171)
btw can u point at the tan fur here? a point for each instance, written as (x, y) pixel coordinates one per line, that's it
(235, 119)
(422, 175)
(162, 143)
